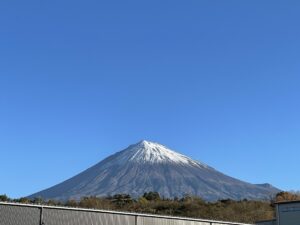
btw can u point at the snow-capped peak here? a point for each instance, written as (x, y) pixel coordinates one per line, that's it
(151, 152)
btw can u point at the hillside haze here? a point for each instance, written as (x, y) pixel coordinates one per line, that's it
(148, 166)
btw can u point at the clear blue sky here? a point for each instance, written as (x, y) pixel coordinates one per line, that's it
(216, 80)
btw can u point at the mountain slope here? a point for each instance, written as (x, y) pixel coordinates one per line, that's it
(148, 166)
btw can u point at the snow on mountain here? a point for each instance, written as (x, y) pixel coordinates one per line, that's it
(151, 152)
(148, 166)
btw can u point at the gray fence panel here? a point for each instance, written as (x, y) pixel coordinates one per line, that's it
(162, 221)
(219, 223)
(270, 222)
(16, 215)
(73, 217)
(20, 214)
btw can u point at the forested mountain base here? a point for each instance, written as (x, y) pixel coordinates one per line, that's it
(228, 210)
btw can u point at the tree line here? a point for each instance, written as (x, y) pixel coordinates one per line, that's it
(244, 211)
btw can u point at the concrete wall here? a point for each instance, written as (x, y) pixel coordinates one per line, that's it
(20, 214)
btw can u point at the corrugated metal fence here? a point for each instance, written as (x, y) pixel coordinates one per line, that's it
(23, 214)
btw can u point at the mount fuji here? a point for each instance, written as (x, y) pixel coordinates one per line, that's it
(148, 166)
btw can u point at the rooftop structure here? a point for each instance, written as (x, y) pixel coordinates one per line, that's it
(287, 213)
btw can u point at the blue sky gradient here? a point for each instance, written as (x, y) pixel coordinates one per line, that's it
(216, 80)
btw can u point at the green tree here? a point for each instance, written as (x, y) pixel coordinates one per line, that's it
(4, 198)
(121, 199)
(23, 200)
(152, 196)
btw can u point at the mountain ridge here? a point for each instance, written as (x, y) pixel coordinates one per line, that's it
(149, 166)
